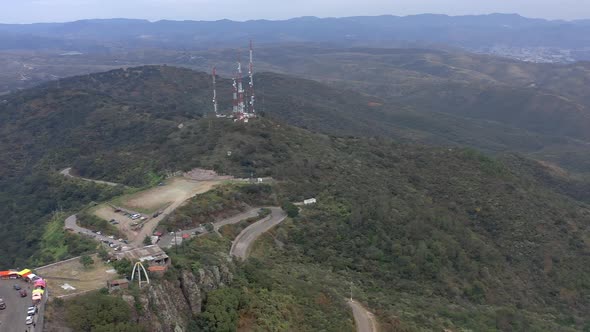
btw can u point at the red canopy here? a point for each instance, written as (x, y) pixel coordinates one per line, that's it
(40, 283)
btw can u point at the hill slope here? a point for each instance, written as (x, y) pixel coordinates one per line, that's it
(424, 229)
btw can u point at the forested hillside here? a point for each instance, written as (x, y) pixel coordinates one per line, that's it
(433, 237)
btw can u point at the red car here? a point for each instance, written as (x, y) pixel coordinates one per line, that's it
(22, 292)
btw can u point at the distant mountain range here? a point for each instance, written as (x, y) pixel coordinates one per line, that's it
(486, 33)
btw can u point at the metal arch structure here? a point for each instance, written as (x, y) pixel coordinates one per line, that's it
(139, 267)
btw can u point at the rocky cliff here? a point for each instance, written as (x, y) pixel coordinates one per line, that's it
(170, 303)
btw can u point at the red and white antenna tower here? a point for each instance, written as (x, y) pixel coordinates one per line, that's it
(251, 88)
(214, 93)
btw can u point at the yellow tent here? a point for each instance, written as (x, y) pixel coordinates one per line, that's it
(23, 272)
(38, 291)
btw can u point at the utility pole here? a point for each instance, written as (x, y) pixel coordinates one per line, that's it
(351, 291)
(214, 94)
(175, 243)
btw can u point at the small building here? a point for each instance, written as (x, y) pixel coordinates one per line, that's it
(117, 284)
(157, 270)
(309, 201)
(151, 255)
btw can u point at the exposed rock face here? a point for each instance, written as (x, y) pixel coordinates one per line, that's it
(168, 305)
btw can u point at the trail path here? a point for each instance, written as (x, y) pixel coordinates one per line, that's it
(364, 320)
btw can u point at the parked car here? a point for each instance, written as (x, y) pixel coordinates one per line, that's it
(98, 233)
(29, 320)
(23, 293)
(31, 311)
(15, 286)
(2, 304)
(111, 237)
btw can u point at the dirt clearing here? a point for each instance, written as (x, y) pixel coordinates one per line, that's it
(70, 277)
(157, 198)
(165, 198)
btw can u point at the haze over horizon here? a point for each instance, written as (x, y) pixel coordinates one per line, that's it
(35, 11)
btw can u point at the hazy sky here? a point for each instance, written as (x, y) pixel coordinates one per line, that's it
(27, 11)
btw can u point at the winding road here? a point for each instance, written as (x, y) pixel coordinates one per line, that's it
(166, 240)
(67, 173)
(71, 223)
(364, 320)
(242, 243)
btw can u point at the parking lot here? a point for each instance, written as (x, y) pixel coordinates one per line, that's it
(12, 319)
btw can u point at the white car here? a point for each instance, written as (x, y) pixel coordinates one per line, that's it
(29, 320)
(111, 237)
(98, 233)
(31, 311)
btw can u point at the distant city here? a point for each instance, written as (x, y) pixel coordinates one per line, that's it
(536, 54)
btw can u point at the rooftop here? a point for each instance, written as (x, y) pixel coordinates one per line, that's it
(147, 253)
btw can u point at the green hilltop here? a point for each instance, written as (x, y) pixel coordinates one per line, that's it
(433, 237)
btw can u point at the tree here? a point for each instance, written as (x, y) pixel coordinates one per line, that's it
(103, 254)
(147, 240)
(221, 310)
(291, 209)
(86, 261)
(124, 267)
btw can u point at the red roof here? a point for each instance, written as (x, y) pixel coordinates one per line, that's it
(7, 273)
(158, 234)
(186, 236)
(156, 268)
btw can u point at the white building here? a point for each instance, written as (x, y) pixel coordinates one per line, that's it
(309, 201)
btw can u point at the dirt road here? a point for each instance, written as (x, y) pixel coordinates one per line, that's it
(67, 172)
(178, 198)
(244, 240)
(363, 319)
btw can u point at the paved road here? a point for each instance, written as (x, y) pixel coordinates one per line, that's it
(364, 320)
(67, 172)
(167, 240)
(71, 224)
(12, 319)
(244, 240)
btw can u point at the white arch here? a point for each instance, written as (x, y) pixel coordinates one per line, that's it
(139, 267)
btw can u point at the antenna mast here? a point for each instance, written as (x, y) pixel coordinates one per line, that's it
(251, 74)
(241, 106)
(235, 96)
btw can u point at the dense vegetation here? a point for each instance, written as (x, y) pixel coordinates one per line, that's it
(58, 245)
(471, 233)
(432, 237)
(29, 203)
(97, 312)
